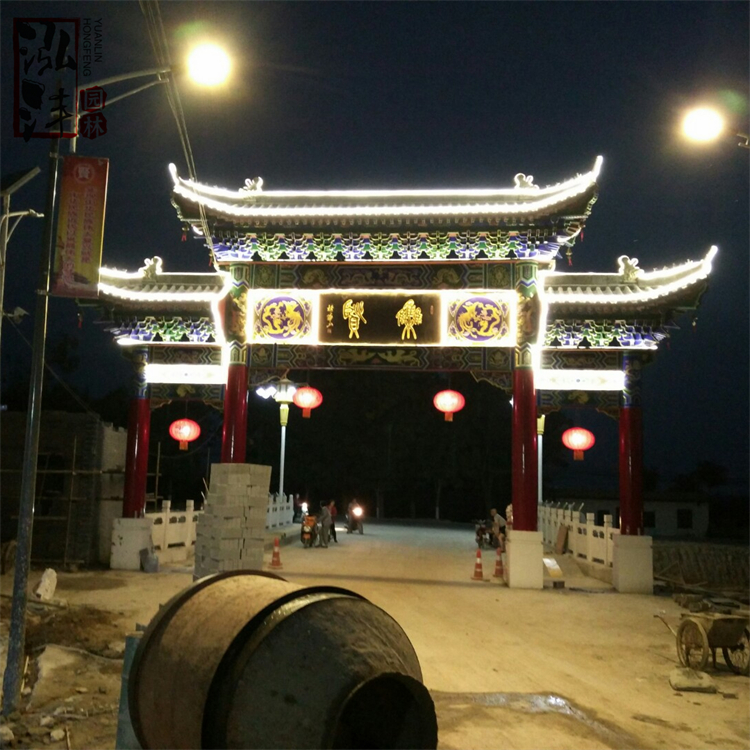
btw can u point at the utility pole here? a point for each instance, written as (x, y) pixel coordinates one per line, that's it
(17, 637)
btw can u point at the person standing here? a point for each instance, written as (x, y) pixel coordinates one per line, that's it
(498, 527)
(334, 513)
(324, 519)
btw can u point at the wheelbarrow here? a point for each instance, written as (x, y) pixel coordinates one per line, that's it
(700, 634)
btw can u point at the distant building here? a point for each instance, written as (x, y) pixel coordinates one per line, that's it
(79, 486)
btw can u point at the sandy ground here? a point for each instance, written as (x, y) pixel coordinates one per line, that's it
(574, 668)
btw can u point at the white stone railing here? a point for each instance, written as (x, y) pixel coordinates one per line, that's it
(174, 528)
(280, 511)
(585, 540)
(177, 528)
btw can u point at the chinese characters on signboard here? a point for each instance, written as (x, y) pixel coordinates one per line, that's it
(385, 318)
(46, 77)
(80, 227)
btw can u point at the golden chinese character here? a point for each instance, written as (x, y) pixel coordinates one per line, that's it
(329, 318)
(409, 316)
(354, 312)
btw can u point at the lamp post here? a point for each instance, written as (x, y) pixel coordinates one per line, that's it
(283, 394)
(17, 636)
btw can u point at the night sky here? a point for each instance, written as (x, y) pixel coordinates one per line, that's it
(439, 95)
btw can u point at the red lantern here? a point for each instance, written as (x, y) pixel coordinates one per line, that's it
(449, 402)
(578, 440)
(185, 431)
(308, 398)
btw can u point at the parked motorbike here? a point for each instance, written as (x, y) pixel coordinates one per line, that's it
(483, 533)
(309, 531)
(354, 520)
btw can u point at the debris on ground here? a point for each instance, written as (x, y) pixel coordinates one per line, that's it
(45, 589)
(683, 679)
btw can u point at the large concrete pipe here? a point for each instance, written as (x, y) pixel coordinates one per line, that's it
(248, 660)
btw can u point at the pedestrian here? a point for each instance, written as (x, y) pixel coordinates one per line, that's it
(324, 519)
(498, 528)
(334, 513)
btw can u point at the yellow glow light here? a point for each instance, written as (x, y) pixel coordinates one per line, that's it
(703, 124)
(209, 65)
(193, 374)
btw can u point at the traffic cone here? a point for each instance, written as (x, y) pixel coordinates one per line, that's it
(478, 574)
(276, 559)
(498, 565)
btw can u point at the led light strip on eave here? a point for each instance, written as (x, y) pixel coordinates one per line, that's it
(702, 270)
(557, 194)
(191, 374)
(579, 380)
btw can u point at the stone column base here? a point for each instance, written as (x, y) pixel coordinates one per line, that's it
(129, 537)
(633, 564)
(525, 566)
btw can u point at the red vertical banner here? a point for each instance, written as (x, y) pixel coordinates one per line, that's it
(80, 227)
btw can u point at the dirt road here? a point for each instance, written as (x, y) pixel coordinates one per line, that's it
(559, 668)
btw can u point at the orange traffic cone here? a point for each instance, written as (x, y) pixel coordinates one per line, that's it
(498, 565)
(276, 559)
(478, 574)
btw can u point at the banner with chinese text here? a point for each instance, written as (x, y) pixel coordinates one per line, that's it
(80, 227)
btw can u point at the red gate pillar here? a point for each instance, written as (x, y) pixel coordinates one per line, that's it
(631, 450)
(524, 546)
(139, 428)
(632, 556)
(523, 456)
(234, 438)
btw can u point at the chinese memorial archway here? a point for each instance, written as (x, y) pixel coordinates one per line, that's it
(408, 280)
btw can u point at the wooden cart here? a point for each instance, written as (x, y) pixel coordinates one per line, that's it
(701, 633)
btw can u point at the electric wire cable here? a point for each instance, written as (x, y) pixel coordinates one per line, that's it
(160, 46)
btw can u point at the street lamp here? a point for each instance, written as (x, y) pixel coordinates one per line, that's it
(207, 65)
(283, 394)
(17, 635)
(706, 124)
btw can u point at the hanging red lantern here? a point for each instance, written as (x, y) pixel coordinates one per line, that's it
(578, 440)
(307, 399)
(449, 402)
(184, 431)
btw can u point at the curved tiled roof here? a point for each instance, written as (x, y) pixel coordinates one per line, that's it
(631, 289)
(151, 286)
(253, 206)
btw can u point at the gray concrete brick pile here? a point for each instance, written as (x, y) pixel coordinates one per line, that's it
(230, 531)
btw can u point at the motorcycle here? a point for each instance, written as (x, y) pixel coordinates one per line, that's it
(354, 520)
(309, 531)
(483, 533)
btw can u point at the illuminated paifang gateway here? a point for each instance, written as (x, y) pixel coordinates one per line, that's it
(416, 280)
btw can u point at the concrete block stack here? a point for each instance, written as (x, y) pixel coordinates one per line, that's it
(230, 532)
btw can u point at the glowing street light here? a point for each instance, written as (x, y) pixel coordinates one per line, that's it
(209, 65)
(705, 125)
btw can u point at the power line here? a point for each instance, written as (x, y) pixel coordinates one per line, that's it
(160, 45)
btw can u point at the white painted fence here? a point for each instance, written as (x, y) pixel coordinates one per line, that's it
(175, 529)
(280, 511)
(586, 540)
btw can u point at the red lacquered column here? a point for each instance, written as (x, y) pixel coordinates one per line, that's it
(523, 455)
(136, 459)
(631, 450)
(233, 444)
